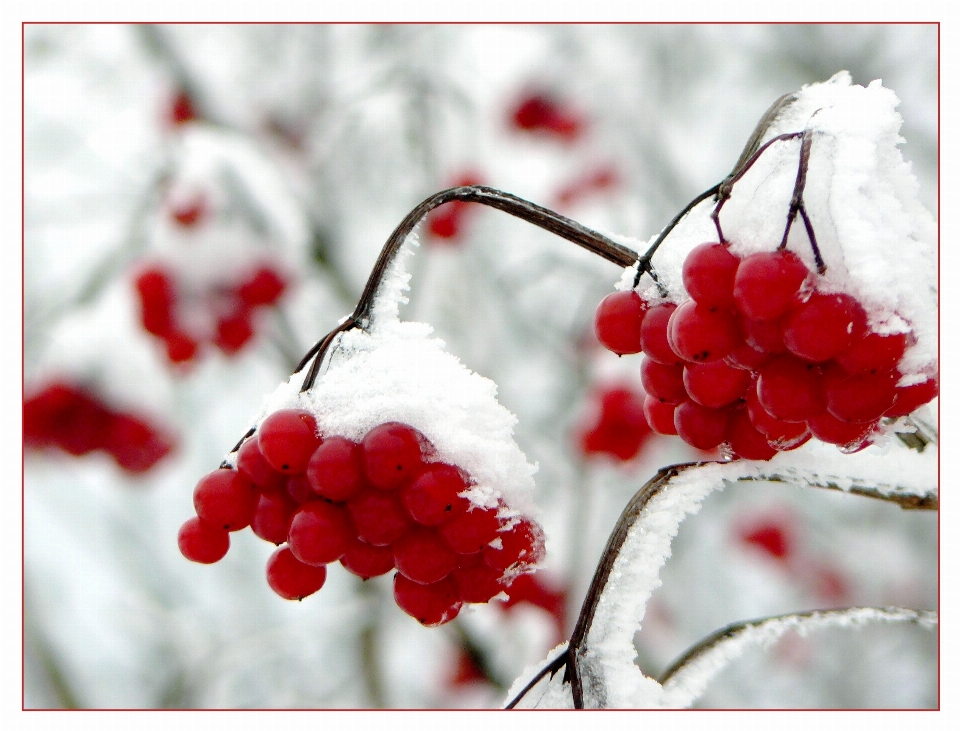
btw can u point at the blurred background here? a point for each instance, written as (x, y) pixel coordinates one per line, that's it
(244, 178)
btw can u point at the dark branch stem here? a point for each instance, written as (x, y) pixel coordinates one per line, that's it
(553, 667)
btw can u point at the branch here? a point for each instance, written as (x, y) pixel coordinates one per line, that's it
(685, 680)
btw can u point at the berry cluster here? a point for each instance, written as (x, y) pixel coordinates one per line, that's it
(158, 294)
(542, 114)
(761, 358)
(69, 418)
(621, 428)
(374, 506)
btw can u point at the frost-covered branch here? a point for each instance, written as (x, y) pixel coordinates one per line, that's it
(685, 680)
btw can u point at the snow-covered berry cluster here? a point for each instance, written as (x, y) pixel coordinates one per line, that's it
(64, 416)
(382, 504)
(761, 357)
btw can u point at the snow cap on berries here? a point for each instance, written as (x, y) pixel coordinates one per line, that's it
(397, 372)
(877, 240)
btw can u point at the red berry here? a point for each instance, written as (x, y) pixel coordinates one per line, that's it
(366, 561)
(789, 389)
(911, 398)
(746, 357)
(659, 415)
(767, 283)
(653, 335)
(234, 331)
(873, 353)
(765, 336)
(157, 294)
(392, 455)
(521, 545)
(469, 532)
(745, 441)
(251, 463)
(264, 287)
(181, 109)
(617, 321)
(320, 533)
(700, 334)
(226, 499)
(42, 413)
(540, 113)
(299, 489)
(430, 604)
(335, 470)
(823, 326)
(715, 384)
(378, 516)
(445, 224)
(134, 444)
(478, 584)
(770, 537)
(271, 519)
(621, 429)
(848, 436)
(180, 346)
(422, 556)
(293, 579)
(203, 542)
(434, 496)
(188, 213)
(664, 382)
(288, 438)
(782, 435)
(708, 273)
(863, 397)
(699, 426)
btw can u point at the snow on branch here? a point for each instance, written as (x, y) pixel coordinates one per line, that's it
(686, 679)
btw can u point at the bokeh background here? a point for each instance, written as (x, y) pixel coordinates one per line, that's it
(222, 153)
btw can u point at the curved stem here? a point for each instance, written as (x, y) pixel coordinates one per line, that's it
(552, 667)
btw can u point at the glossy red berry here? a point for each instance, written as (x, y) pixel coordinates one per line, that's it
(782, 435)
(320, 533)
(862, 397)
(434, 497)
(659, 415)
(789, 389)
(873, 353)
(203, 542)
(251, 463)
(745, 441)
(478, 584)
(299, 489)
(430, 604)
(335, 469)
(653, 334)
(664, 382)
(392, 455)
(715, 384)
(422, 556)
(271, 519)
(850, 437)
(708, 273)
(291, 578)
(469, 532)
(699, 426)
(699, 334)
(617, 321)
(288, 438)
(378, 517)
(366, 561)
(746, 357)
(910, 398)
(823, 326)
(264, 287)
(767, 283)
(226, 499)
(520, 545)
(765, 336)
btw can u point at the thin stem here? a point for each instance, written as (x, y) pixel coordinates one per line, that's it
(553, 667)
(796, 200)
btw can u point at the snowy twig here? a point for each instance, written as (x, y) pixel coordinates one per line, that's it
(685, 680)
